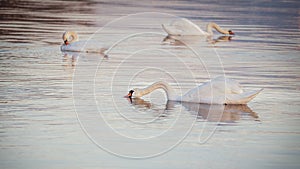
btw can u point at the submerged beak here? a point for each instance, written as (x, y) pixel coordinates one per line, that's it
(129, 95)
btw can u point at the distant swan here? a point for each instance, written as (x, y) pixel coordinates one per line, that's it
(219, 90)
(71, 44)
(184, 27)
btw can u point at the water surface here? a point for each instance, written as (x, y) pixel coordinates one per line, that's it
(39, 125)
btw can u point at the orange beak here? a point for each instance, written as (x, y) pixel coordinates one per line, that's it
(129, 95)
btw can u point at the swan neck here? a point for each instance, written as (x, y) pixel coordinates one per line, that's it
(212, 25)
(158, 85)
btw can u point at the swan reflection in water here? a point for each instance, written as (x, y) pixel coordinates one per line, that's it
(70, 58)
(184, 40)
(207, 112)
(223, 113)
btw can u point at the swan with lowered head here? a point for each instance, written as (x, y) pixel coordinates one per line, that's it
(185, 27)
(219, 90)
(72, 44)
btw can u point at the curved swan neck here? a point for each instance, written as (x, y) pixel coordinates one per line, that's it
(217, 27)
(158, 85)
(70, 36)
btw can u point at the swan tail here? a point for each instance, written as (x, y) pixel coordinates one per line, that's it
(242, 98)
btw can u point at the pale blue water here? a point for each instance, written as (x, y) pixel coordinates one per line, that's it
(59, 114)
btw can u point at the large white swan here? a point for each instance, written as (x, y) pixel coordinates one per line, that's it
(184, 27)
(72, 44)
(219, 90)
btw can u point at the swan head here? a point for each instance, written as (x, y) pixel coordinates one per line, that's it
(218, 28)
(69, 37)
(130, 93)
(137, 93)
(230, 32)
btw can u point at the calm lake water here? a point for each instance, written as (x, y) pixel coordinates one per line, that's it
(66, 110)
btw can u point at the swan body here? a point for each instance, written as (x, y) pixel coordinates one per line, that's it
(72, 44)
(185, 27)
(219, 90)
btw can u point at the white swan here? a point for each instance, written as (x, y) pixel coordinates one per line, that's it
(71, 44)
(185, 27)
(219, 90)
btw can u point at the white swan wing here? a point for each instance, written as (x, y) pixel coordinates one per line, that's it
(214, 91)
(242, 98)
(212, 98)
(225, 85)
(172, 30)
(205, 93)
(209, 98)
(183, 27)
